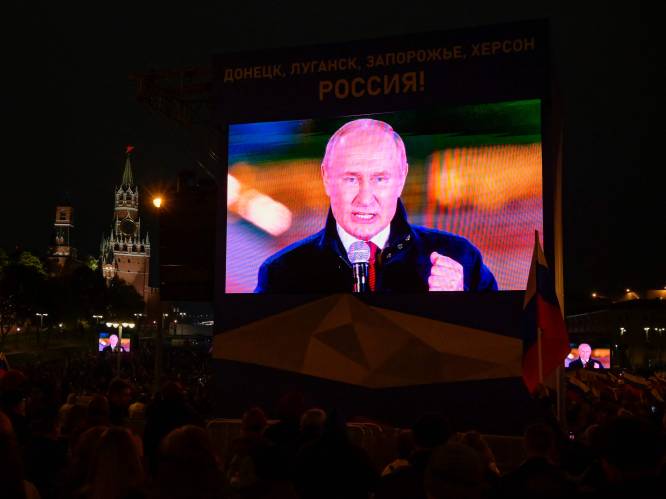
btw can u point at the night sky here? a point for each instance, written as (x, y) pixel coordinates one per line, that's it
(72, 110)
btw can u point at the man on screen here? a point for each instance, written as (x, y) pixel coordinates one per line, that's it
(584, 361)
(364, 171)
(113, 345)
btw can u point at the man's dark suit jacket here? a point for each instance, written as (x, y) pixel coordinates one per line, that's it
(319, 263)
(536, 477)
(592, 364)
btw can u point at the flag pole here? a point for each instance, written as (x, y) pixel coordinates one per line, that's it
(558, 389)
(539, 355)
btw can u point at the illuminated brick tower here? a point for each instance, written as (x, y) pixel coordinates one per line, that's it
(62, 253)
(126, 252)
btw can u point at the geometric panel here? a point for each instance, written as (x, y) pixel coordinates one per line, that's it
(341, 338)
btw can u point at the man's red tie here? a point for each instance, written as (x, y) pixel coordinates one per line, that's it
(372, 263)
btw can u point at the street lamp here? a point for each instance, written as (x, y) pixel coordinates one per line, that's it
(157, 203)
(139, 318)
(98, 318)
(182, 316)
(41, 319)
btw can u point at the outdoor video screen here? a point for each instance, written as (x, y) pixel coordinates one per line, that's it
(445, 199)
(111, 343)
(589, 356)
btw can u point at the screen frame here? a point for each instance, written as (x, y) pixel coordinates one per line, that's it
(222, 226)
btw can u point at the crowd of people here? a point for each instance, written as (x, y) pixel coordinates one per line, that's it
(593, 396)
(76, 430)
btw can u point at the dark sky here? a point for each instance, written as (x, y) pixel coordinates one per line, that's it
(71, 110)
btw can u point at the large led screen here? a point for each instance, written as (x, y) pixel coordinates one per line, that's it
(449, 197)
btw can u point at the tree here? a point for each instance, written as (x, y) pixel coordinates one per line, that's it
(92, 263)
(77, 295)
(31, 263)
(22, 290)
(7, 315)
(122, 300)
(6, 307)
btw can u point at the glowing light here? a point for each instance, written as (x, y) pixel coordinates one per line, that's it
(264, 212)
(233, 190)
(627, 290)
(157, 202)
(258, 208)
(510, 165)
(594, 295)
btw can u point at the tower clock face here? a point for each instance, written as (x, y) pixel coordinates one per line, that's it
(128, 227)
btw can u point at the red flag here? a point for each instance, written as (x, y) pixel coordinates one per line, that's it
(129, 149)
(545, 340)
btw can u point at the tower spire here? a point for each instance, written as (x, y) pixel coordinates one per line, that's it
(128, 177)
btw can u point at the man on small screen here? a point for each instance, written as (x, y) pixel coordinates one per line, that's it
(364, 171)
(584, 361)
(113, 345)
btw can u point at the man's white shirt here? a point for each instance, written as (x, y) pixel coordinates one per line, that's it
(379, 239)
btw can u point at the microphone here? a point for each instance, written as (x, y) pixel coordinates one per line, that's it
(359, 256)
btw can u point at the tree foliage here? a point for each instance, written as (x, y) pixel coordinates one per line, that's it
(22, 290)
(122, 300)
(27, 289)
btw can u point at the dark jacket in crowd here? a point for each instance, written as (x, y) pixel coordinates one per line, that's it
(536, 477)
(332, 467)
(407, 482)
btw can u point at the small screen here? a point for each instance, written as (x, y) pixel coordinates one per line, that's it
(108, 342)
(588, 356)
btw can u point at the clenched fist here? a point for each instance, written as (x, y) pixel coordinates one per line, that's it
(446, 274)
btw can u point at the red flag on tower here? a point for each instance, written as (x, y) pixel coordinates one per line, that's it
(129, 149)
(545, 337)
